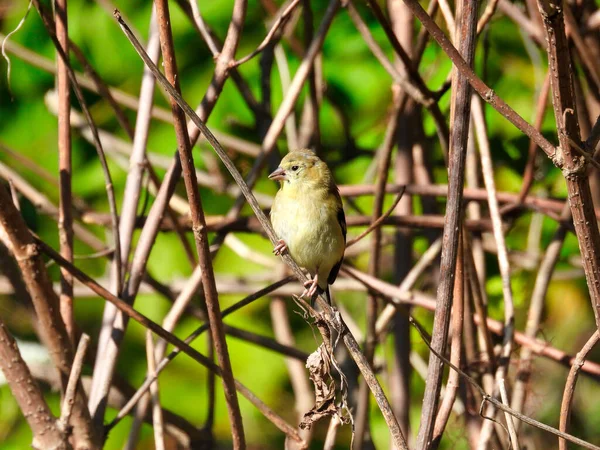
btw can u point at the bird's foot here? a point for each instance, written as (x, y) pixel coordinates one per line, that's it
(280, 247)
(310, 287)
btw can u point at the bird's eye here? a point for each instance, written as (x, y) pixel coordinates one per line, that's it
(294, 168)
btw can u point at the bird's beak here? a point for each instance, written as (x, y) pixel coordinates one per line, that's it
(278, 174)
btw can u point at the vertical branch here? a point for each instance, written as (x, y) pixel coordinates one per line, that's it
(459, 117)
(534, 315)
(532, 151)
(574, 164)
(103, 368)
(157, 419)
(384, 158)
(199, 226)
(509, 310)
(65, 216)
(71, 390)
(309, 133)
(137, 160)
(510, 422)
(455, 351)
(402, 23)
(296, 369)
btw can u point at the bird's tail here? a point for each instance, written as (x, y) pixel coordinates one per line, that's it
(327, 293)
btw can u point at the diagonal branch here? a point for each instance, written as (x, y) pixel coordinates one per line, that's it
(478, 85)
(199, 227)
(46, 304)
(328, 312)
(29, 396)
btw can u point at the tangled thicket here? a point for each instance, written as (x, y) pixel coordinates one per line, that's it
(463, 137)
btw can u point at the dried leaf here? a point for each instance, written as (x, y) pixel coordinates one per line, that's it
(318, 364)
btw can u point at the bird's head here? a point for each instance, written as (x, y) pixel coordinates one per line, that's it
(302, 168)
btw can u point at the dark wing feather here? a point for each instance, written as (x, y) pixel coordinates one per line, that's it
(341, 217)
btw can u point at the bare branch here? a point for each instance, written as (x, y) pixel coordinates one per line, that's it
(46, 433)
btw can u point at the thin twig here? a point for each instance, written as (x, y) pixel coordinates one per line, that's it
(488, 398)
(170, 338)
(329, 314)
(509, 310)
(74, 376)
(65, 216)
(377, 222)
(478, 85)
(514, 441)
(569, 391)
(273, 33)
(455, 351)
(157, 419)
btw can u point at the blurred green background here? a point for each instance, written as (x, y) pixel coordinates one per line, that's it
(361, 90)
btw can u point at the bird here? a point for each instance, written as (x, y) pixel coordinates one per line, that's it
(308, 217)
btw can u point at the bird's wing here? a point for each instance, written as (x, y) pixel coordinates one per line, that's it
(341, 217)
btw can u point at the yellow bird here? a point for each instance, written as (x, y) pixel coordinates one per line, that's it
(308, 217)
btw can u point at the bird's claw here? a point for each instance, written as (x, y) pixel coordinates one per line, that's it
(280, 247)
(310, 287)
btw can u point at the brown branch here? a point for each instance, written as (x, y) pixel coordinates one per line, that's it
(490, 399)
(273, 35)
(46, 19)
(199, 227)
(399, 298)
(510, 423)
(460, 118)
(170, 338)
(569, 391)
(378, 221)
(74, 379)
(455, 351)
(534, 315)
(478, 85)
(148, 234)
(532, 151)
(29, 396)
(157, 419)
(246, 223)
(574, 169)
(503, 264)
(65, 216)
(46, 304)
